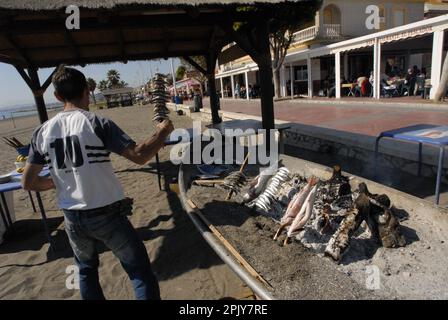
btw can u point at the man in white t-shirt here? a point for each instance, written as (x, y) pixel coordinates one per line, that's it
(76, 145)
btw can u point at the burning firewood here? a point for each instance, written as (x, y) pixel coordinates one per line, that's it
(341, 238)
(374, 209)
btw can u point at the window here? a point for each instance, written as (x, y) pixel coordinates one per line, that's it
(301, 73)
(399, 17)
(382, 17)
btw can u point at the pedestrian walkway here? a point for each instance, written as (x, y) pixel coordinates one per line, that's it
(355, 117)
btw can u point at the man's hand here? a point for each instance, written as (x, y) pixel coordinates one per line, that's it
(165, 127)
(146, 150)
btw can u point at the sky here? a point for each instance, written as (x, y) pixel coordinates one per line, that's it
(14, 91)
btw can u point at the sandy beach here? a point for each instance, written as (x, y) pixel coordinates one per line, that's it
(183, 262)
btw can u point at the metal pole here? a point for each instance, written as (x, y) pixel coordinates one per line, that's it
(174, 77)
(174, 83)
(12, 118)
(337, 69)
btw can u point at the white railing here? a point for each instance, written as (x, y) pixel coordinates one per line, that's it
(305, 34)
(330, 31)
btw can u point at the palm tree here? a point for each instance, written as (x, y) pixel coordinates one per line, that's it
(113, 77)
(91, 84)
(103, 85)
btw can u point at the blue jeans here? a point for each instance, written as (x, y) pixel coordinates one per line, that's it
(86, 230)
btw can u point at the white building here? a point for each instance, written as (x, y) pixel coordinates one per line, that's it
(340, 24)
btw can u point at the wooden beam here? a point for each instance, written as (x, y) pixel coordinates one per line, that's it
(130, 22)
(228, 246)
(166, 42)
(71, 43)
(242, 41)
(17, 48)
(115, 58)
(49, 79)
(120, 41)
(38, 94)
(114, 43)
(195, 65)
(212, 36)
(24, 76)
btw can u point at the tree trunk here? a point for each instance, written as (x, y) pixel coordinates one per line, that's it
(93, 97)
(441, 90)
(277, 83)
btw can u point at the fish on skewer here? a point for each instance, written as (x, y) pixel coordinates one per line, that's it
(159, 99)
(295, 206)
(303, 216)
(259, 183)
(265, 199)
(234, 182)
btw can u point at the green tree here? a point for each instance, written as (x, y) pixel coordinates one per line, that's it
(91, 84)
(113, 78)
(180, 72)
(202, 62)
(103, 85)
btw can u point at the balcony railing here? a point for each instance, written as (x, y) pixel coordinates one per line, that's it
(305, 34)
(326, 31)
(330, 31)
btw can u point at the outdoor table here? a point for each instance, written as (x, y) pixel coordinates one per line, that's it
(435, 135)
(249, 124)
(350, 87)
(16, 184)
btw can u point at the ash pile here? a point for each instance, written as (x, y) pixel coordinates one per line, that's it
(324, 215)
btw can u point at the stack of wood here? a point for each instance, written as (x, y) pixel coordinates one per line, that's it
(376, 211)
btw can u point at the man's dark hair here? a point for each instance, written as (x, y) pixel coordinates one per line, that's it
(69, 84)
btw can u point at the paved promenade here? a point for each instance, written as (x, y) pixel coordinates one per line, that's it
(357, 116)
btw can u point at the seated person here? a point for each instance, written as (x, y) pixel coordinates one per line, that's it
(359, 84)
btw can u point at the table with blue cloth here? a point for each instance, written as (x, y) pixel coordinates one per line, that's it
(16, 184)
(435, 135)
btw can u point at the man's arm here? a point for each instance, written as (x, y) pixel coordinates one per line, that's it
(31, 180)
(142, 152)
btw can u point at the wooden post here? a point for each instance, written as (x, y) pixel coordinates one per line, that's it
(38, 94)
(214, 102)
(33, 82)
(266, 84)
(260, 52)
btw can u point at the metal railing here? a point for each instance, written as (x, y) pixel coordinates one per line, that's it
(330, 31)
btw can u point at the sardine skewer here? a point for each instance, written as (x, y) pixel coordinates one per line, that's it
(229, 195)
(303, 216)
(295, 206)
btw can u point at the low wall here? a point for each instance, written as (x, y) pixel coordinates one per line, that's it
(397, 155)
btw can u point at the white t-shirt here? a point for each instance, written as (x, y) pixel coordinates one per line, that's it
(76, 145)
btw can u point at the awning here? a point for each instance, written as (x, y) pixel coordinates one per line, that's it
(412, 30)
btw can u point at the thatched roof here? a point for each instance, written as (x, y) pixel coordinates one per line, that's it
(33, 33)
(36, 5)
